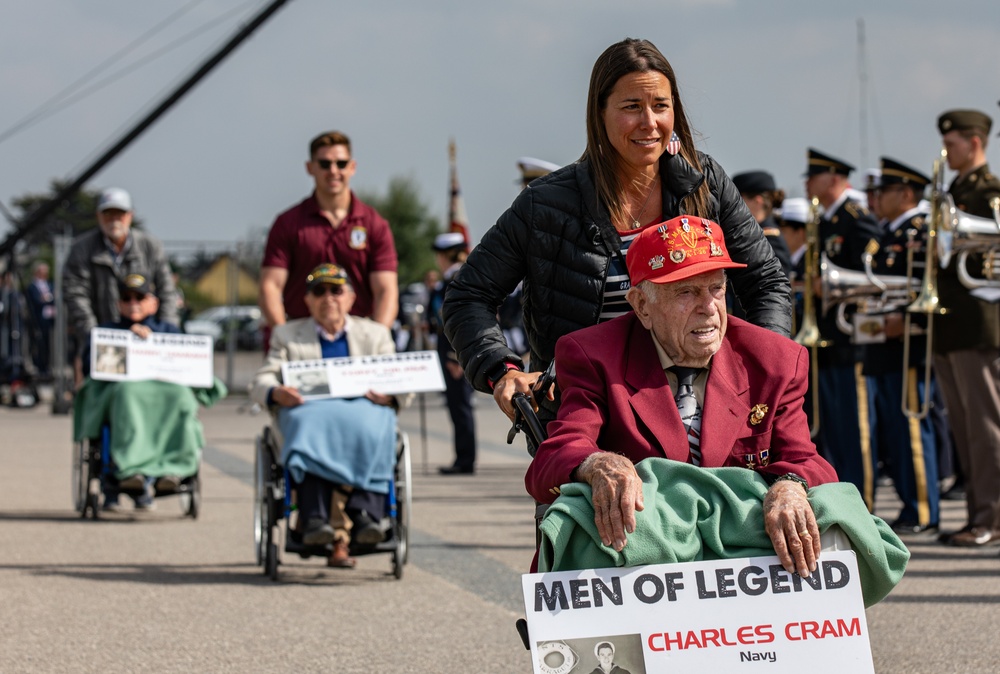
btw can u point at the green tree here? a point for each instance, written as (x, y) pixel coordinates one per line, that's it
(413, 228)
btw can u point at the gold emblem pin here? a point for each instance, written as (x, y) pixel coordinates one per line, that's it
(757, 413)
(677, 256)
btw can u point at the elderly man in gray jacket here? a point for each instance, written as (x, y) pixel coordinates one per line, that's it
(102, 257)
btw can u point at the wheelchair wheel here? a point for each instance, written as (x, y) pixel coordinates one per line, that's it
(191, 500)
(262, 506)
(271, 559)
(404, 498)
(81, 476)
(93, 499)
(398, 559)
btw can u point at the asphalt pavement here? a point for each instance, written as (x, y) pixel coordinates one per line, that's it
(159, 592)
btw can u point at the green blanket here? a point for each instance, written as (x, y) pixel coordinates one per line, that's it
(696, 513)
(154, 425)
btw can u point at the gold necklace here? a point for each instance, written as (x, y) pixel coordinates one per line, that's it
(635, 220)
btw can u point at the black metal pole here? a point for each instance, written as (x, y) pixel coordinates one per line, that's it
(42, 212)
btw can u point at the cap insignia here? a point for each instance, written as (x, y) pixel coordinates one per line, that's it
(656, 262)
(684, 225)
(677, 255)
(716, 250)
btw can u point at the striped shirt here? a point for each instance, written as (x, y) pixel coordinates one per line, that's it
(617, 283)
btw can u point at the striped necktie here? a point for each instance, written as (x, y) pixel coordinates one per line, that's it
(687, 405)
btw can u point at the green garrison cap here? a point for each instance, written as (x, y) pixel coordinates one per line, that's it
(964, 120)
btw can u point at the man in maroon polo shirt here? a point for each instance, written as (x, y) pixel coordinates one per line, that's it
(332, 225)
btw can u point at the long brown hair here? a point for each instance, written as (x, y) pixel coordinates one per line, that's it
(620, 59)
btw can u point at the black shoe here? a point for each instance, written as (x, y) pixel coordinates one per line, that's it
(956, 492)
(903, 528)
(457, 470)
(948, 535)
(366, 530)
(317, 532)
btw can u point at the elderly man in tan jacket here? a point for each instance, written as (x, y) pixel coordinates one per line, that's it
(330, 332)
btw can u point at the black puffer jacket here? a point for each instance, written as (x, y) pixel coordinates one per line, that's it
(559, 239)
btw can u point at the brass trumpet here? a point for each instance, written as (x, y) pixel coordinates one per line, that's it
(808, 334)
(927, 301)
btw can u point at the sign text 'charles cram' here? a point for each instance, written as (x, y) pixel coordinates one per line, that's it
(723, 615)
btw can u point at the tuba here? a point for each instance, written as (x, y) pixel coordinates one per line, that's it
(808, 334)
(965, 234)
(927, 301)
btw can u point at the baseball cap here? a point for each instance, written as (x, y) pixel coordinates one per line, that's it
(327, 273)
(677, 249)
(114, 197)
(135, 283)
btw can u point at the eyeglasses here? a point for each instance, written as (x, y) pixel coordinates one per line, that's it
(323, 289)
(132, 297)
(325, 164)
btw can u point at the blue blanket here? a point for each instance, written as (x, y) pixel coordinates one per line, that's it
(350, 442)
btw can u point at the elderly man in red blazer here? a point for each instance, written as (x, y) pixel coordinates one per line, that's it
(743, 407)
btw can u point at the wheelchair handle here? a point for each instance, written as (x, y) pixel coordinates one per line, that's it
(525, 419)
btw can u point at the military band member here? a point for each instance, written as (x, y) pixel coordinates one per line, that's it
(908, 449)
(967, 338)
(872, 177)
(761, 196)
(846, 229)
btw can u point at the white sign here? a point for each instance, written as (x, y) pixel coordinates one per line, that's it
(122, 355)
(732, 615)
(352, 377)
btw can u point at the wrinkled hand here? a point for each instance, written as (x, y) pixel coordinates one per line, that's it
(142, 330)
(790, 523)
(617, 494)
(379, 398)
(286, 396)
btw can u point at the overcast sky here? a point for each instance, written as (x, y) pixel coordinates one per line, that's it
(761, 82)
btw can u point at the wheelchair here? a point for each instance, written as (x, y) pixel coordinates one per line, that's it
(93, 469)
(273, 502)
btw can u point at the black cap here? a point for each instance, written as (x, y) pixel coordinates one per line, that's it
(754, 182)
(819, 163)
(964, 120)
(895, 173)
(134, 283)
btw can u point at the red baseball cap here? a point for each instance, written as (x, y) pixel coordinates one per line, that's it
(678, 249)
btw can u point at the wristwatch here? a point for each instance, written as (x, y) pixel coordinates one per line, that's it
(496, 373)
(792, 477)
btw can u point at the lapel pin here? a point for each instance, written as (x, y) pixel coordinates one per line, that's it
(757, 413)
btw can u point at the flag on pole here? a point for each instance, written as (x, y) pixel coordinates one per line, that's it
(456, 210)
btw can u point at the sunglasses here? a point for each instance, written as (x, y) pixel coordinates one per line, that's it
(325, 164)
(132, 297)
(323, 289)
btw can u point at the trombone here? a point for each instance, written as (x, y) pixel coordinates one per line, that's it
(927, 301)
(808, 335)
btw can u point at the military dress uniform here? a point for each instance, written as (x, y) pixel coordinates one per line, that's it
(846, 229)
(966, 347)
(907, 446)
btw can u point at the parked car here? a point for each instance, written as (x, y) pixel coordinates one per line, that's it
(215, 323)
